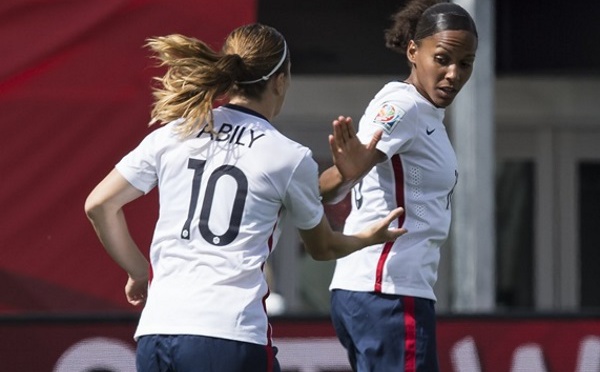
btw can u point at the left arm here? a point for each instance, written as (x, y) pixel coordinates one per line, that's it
(323, 243)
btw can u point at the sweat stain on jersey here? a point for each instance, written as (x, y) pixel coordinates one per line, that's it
(388, 116)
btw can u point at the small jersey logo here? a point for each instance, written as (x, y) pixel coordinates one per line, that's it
(429, 131)
(358, 198)
(388, 116)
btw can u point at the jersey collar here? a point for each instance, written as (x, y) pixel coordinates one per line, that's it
(245, 110)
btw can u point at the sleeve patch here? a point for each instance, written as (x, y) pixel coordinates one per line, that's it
(388, 116)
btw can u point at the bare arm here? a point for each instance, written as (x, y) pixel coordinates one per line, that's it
(322, 243)
(352, 160)
(104, 210)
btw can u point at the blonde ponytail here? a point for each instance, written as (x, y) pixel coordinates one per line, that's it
(197, 76)
(191, 84)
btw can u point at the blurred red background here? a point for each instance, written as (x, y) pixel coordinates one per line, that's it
(75, 97)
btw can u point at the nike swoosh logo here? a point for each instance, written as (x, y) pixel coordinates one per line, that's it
(358, 198)
(429, 131)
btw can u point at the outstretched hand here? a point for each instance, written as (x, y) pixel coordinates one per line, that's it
(381, 232)
(352, 158)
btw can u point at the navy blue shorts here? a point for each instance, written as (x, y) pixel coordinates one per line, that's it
(385, 332)
(188, 353)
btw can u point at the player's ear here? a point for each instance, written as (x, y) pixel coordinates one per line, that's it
(279, 84)
(411, 52)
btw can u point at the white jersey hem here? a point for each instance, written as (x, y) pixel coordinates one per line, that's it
(386, 288)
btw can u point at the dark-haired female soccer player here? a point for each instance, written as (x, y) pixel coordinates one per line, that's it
(382, 296)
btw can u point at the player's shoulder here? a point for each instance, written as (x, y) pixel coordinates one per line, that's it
(393, 104)
(162, 135)
(282, 146)
(396, 98)
(402, 94)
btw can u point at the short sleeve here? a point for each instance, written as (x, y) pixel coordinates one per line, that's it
(138, 167)
(302, 199)
(396, 116)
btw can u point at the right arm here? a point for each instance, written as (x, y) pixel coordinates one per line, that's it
(323, 244)
(352, 160)
(104, 209)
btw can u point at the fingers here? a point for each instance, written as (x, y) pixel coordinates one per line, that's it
(343, 130)
(347, 126)
(374, 140)
(137, 302)
(394, 214)
(333, 146)
(136, 292)
(136, 299)
(381, 231)
(394, 233)
(338, 135)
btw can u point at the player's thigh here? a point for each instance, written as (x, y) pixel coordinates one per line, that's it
(388, 332)
(341, 314)
(152, 354)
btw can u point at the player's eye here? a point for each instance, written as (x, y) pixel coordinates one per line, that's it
(441, 59)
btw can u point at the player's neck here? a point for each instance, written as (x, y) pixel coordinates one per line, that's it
(262, 107)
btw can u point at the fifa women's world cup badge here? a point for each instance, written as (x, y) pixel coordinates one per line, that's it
(388, 116)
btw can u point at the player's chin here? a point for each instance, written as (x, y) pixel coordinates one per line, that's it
(444, 98)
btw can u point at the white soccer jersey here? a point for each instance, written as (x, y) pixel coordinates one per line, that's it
(221, 198)
(419, 174)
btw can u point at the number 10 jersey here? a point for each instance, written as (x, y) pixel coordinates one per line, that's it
(222, 196)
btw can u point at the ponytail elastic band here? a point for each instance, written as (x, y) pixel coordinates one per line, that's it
(277, 66)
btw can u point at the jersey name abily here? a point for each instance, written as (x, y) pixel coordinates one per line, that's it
(235, 134)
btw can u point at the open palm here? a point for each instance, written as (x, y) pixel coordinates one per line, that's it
(352, 158)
